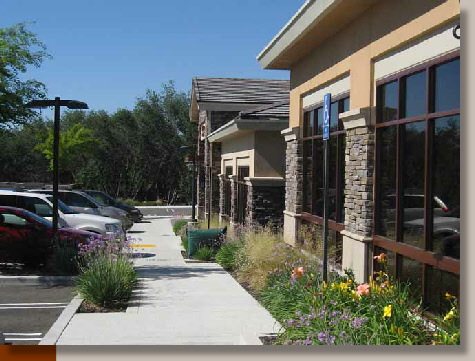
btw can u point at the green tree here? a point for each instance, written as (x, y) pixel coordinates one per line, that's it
(19, 48)
(75, 146)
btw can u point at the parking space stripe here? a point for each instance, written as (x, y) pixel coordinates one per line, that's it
(29, 307)
(23, 339)
(34, 304)
(22, 334)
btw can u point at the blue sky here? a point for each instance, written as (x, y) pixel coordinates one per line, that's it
(107, 53)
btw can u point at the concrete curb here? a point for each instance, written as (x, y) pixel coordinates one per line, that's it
(37, 280)
(55, 332)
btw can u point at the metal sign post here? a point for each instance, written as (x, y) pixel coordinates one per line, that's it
(326, 162)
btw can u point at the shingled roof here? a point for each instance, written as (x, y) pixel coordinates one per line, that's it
(274, 110)
(243, 91)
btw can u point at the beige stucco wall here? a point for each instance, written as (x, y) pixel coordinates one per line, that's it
(383, 28)
(262, 151)
(269, 155)
(238, 151)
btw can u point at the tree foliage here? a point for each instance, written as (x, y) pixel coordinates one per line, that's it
(128, 154)
(19, 48)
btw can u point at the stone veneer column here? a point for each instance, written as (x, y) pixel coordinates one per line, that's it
(233, 218)
(265, 201)
(221, 196)
(359, 170)
(293, 185)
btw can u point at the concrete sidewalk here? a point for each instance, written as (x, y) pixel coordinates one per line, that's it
(176, 303)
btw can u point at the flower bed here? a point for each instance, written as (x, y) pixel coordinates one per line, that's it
(288, 282)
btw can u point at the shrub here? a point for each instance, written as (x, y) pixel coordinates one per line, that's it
(184, 241)
(178, 225)
(263, 252)
(107, 275)
(107, 281)
(205, 253)
(226, 255)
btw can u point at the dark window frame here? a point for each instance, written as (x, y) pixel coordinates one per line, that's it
(338, 223)
(426, 256)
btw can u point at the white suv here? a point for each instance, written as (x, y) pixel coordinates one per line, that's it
(42, 205)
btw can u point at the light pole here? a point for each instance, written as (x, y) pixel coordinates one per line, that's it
(57, 103)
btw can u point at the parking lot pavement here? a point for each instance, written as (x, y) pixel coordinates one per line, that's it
(28, 312)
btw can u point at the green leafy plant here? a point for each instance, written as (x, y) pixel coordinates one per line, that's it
(184, 241)
(226, 255)
(205, 253)
(178, 225)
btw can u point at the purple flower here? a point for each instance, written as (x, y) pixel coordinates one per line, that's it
(291, 322)
(321, 336)
(307, 342)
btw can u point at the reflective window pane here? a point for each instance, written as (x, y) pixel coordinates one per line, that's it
(413, 184)
(447, 86)
(307, 124)
(346, 104)
(319, 113)
(415, 95)
(410, 272)
(446, 185)
(389, 102)
(440, 283)
(318, 181)
(387, 149)
(334, 111)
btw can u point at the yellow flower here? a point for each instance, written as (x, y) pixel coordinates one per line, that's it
(349, 282)
(449, 315)
(387, 311)
(400, 331)
(355, 295)
(448, 296)
(324, 285)
(393, 328)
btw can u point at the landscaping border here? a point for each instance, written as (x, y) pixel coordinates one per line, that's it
(55, 332)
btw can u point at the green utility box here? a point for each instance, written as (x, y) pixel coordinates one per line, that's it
(204, 237)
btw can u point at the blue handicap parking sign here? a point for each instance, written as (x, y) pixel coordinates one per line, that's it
(326, 115)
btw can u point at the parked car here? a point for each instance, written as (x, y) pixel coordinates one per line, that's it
(83, 203)
(42, 205)
(28, 238)
(106, 200)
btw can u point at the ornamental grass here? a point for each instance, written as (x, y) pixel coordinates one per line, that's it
(107, 275)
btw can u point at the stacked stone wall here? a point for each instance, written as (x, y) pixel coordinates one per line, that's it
(265, 205)
(359, 168)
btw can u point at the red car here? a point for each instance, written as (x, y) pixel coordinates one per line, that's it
(28, 238)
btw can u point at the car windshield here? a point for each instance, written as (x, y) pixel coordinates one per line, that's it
(101, 198)
(62, 206)
(35, 217)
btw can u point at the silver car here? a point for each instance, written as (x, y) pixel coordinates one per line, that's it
(83, 203)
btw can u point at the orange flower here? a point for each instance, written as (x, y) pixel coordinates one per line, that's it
(362, 289)
(298, 272)
(381, 258)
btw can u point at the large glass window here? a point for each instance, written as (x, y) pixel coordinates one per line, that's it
(417, 204)
(313, 164)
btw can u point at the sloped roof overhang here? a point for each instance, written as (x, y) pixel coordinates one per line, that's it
(238, 127)
(314, 22)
